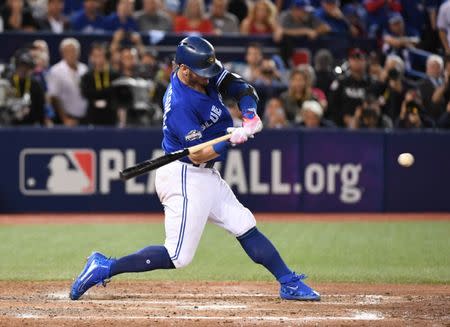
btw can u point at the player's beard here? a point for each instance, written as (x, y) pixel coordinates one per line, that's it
(196, 81)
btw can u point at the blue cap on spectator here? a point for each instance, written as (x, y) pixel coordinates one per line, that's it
(395, 18)
(301, 3)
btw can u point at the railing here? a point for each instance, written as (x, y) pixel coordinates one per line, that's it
(229, 47)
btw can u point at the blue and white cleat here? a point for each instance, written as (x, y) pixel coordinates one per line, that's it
(95, 272)
(296, 289)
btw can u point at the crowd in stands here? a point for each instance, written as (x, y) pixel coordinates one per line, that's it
(124, 81)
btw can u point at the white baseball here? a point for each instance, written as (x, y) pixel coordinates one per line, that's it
(406, 159)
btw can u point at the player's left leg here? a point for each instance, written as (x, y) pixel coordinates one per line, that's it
(230, 214)
(99, 268)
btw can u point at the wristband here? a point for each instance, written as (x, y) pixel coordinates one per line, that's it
(248, 106)
(220, 147)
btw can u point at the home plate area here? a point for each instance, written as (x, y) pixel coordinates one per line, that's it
(220, 303)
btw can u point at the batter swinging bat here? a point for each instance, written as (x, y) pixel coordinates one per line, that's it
(151, 164)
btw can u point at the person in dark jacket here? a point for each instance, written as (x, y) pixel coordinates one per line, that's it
(29, 107)
(55, 21)
(349, 90)
(413, 115)
(96, 88)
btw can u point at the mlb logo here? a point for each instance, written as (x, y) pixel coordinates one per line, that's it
(57, 171)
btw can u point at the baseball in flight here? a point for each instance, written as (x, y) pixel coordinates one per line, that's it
(405, 159)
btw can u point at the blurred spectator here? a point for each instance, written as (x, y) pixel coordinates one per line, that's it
(430, 36)
(88, 19)
(415, 14)
(96, 88)
(441, 94)
(397, 40)
(251, 69)
(121, 39)
(261, 19)
(311, 116)
(17, 17)
(311, 77)
(29, 95)
(149, 66)
(375, 70)
(108, 7)
(129, 62)
(444, 120)
(114, 57)
(72, 6)
(41, 57)
(323, 66)
(268, 84)
(152, 17)
(194, 19)
(349, 90)
(412, 114)
(123, 93)
(223, 21)
(122, 18)
(295, 22)
(132, 94)
(38, 8)
(153, 71)
(274, 114)
(369, 115)
(63, 82)
(356, 16)
(172, 7)
(238, 8)
(331, 14)
(392, 86)
(299, 90)
(55, 21)
(378, 12)
(427, 87)
(443, 24)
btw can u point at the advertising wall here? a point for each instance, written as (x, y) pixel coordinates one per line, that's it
(77, 170)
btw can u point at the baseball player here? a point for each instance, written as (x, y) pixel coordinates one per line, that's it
(191, 190)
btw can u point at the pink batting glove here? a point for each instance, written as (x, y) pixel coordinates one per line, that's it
(238, 136)
(252, 125)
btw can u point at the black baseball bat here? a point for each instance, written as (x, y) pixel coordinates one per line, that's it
(151, 164)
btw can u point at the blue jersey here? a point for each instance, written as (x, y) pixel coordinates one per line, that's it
(192, 117)
(113, 23)
(81, 23)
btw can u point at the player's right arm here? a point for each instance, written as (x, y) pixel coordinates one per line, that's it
(203, 155)
(231, 85)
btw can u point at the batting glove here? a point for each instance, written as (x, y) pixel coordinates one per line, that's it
(238, 135)
(252, 125)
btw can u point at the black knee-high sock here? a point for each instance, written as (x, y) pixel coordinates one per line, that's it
(149, 258)
(262, 251)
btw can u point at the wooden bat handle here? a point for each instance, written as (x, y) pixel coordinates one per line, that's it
(201, 146)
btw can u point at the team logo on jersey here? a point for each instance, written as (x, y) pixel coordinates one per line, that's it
(213, 117)
(57, 171)
(193, 135)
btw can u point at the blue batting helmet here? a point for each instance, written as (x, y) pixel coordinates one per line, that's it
(199, 55)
